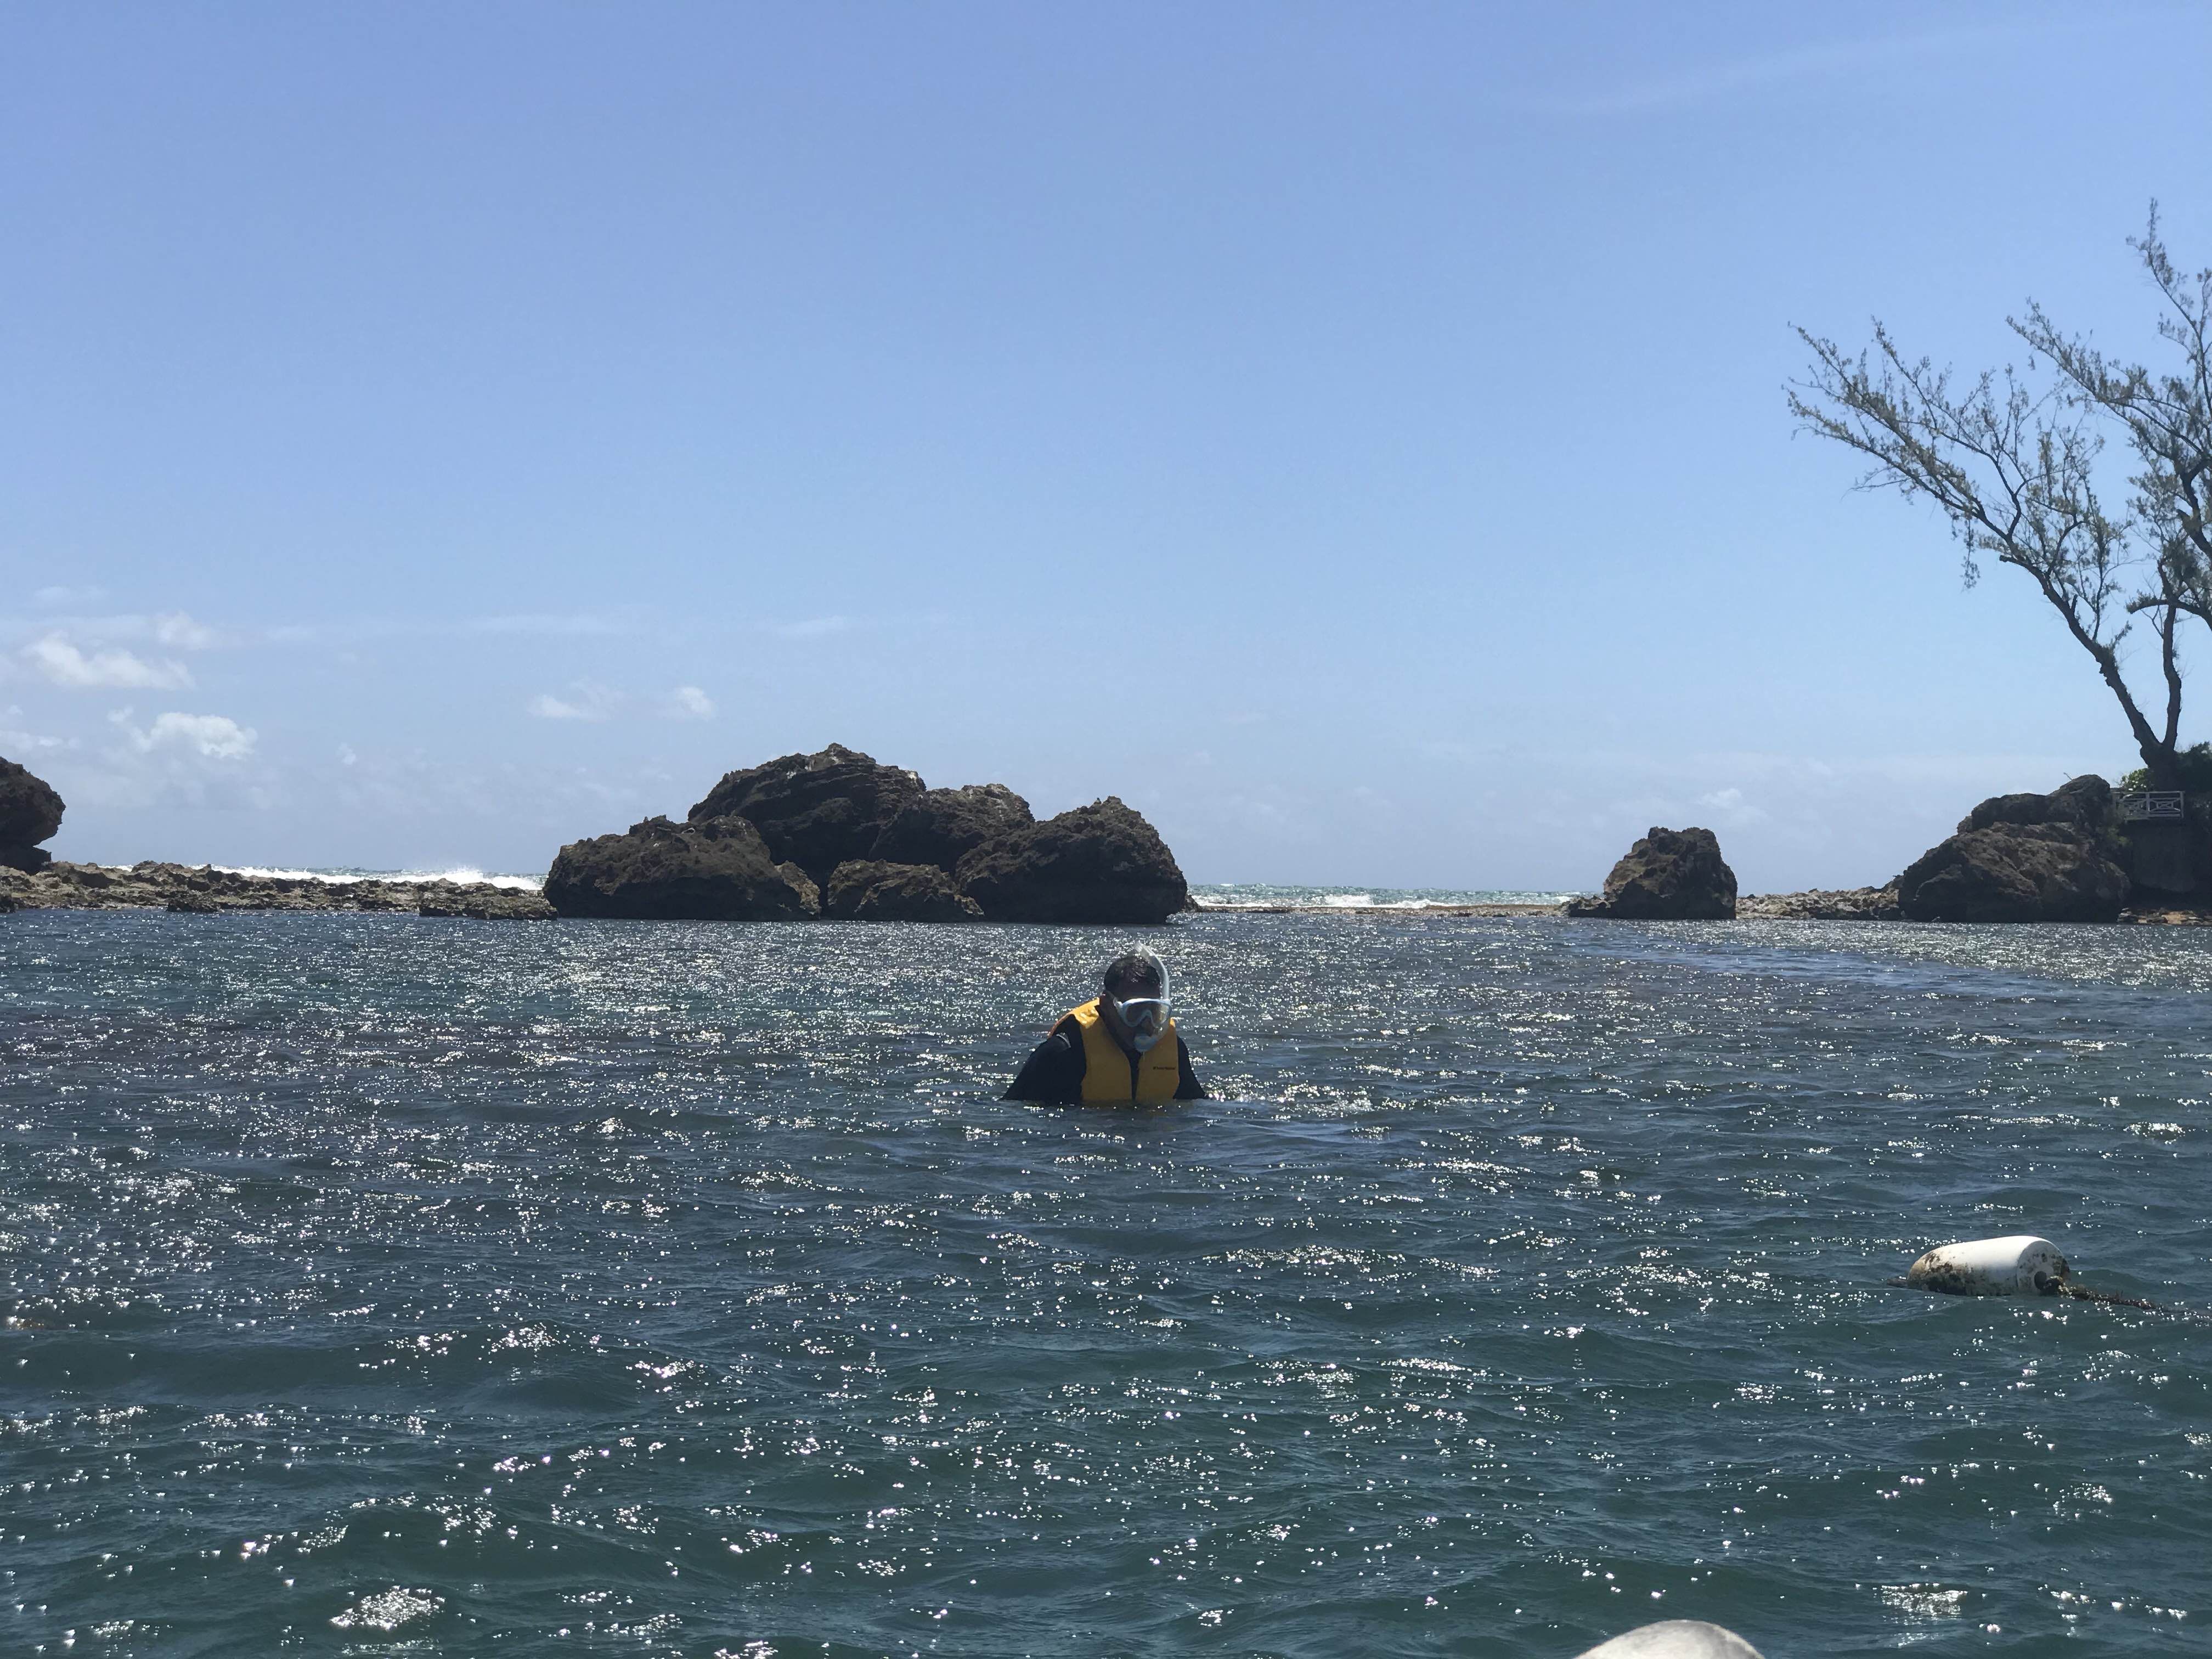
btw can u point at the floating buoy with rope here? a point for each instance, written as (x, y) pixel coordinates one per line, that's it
(2020, 1264)
(1674, 1638)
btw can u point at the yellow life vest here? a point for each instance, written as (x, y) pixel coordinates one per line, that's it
(1112, 1077)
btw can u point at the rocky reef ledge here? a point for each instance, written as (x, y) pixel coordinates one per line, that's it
(840, 837)
(201, 890)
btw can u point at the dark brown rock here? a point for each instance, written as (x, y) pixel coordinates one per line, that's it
(873, 890)
(30, 812)
(943, 826)
(810, 894)
(716, 871)
(2085, 802)
(474, 902)
(1671, 875)
(200, 890)
(814, 811)
(1821, 904)
(2026, 857)
(1101, 864)
(2011, 872)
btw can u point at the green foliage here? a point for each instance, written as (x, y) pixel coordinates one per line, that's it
(2195, 766)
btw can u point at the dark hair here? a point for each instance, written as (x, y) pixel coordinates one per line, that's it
(1138, 969)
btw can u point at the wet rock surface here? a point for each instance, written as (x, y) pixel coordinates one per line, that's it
(30, 812)
(199, 890)
(1670, 875)
(660, 870)
(816, 810)
(1100, 865)
(873, 890)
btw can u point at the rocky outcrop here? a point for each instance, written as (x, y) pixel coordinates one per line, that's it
(2015, 872)
(30, 812)
(1671, 875)
(872, 890)
(814, 811)
(943, 826)
(480, 903)
(715, 871)
(2025, 858)
(1102, 865)
(2085, 803)
(808, 892)
(198, 889)
(1821, 904)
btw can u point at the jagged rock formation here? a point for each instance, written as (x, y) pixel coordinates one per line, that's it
(1821, 904)
(716, 871)
(476, 902)
(2025, 858)
(943, 826)
(1670, 875)
(874, 890)
(814, 811)
(199, 890)
(857, 840)
(30, 812)
(1101, 864)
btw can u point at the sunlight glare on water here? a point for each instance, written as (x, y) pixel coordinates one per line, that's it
(385, 1284)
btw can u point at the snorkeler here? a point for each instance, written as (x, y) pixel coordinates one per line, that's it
(1119, 1049)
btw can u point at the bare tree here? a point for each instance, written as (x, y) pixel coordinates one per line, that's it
(2013, 469)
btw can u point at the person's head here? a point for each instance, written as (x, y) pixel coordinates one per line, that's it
(1136, 999)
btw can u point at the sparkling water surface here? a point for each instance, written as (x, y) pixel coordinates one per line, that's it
(386, 1285)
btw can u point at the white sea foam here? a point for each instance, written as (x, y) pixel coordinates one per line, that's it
(1267, 895)
(465, 874)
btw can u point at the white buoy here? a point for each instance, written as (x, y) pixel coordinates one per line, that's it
(1674, 1638)
(2021, 1265)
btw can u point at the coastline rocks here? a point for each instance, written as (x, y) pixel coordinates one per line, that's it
(804, 886)
(1670, 875)
(189, 889)
(2014, 872)
(30, 812)
(2025, 858)
(1101, 864)
(875, 891)
(478, 903)
(943, 826)
(816, 810)
(1822, 904)
(716, 871)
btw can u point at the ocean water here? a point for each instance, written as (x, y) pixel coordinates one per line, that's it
(1260, 896)
(378, 1286)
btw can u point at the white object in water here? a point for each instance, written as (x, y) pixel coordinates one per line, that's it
(1674, 1638)
(2021, 1265)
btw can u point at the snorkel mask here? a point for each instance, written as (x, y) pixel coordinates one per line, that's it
(1146, 1017)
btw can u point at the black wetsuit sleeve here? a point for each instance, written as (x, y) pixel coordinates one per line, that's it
(1188, 1087)
(1053, 1074)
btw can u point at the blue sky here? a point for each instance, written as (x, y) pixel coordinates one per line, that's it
(1353, 434)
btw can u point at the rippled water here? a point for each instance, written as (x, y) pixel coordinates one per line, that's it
(389, 1286)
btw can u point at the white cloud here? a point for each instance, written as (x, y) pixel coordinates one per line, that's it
(689, 703)
(588, 701)
(177, 628)
(546, 707)
(210, 737)
(63, 664)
